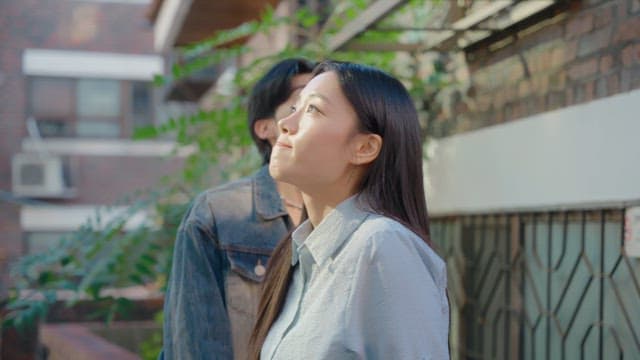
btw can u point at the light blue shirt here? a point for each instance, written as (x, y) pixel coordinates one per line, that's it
(363, 287)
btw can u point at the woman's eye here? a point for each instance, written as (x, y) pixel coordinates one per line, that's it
(292, 109)
(311, 108)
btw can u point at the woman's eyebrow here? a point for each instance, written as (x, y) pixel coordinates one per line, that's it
(315, 95)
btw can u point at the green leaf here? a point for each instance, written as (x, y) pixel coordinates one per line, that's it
(145, 132)
(135, 278)
(143, 269)
(159, 80)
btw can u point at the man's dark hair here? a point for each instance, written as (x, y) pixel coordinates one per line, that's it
(269, 92)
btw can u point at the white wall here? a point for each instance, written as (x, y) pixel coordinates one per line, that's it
(71, 217)
(581, 156)
(47, 62)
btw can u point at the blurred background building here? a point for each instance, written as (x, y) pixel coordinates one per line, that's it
(75, 79)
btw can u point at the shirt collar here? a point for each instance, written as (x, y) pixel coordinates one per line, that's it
(266, 196)
(323, 241)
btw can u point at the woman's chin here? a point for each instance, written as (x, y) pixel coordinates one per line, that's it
(275, 170)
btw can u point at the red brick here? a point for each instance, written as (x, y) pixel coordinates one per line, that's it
(524, 88)
(606, 63)
(583, 69)
(569, 96)
(558, 81)
(516, 72)
(584, 92)
(630, 78)
(580, 25)
(557, 57)
(571, 49)
(541, 84)
(635, 82)
(556, 100)
(498, 100)
(631, 55)
(628, 30)
(483, 102)
(590, 90)
(594, 41)
(601, 88)
(603, 17)
(613, 84)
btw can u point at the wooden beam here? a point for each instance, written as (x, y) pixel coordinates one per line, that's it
(481, 14)
(368, 17)
(470, 20)
(517, 12)
(168, 23)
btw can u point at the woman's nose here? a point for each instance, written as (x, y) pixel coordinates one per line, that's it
(288, 124)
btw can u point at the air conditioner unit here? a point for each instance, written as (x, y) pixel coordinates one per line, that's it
(39, 175)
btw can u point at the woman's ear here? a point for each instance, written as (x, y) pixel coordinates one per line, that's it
(265, 129)
(367, 148)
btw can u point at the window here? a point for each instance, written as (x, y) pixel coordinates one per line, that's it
(98, 108)
(52, 104)
(91, 108)
(141, 109)
(39, 242)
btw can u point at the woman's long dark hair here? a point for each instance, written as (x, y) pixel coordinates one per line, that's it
(392, 185)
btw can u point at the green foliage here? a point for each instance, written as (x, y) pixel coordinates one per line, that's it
(102, 254)
(97, 256)
(150, 348)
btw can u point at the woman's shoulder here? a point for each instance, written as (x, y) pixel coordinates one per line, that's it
(378, 230)
(385, 240)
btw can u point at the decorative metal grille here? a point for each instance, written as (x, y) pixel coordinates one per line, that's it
(554, 285)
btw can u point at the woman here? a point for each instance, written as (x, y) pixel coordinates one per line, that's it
(358, 278)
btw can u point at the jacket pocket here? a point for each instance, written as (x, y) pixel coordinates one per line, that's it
(250, 263)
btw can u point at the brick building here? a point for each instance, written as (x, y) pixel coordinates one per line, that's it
(81, 71)
(533, 189)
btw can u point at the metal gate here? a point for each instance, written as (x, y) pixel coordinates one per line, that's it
(553, 285)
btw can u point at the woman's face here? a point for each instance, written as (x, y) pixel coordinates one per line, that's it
(315, 147)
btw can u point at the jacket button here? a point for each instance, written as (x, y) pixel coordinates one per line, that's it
(259, 269)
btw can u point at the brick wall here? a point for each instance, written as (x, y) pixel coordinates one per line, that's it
(66, 25)
(581, 51)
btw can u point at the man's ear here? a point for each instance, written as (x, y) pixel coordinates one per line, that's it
(367, 148)
(265, 129)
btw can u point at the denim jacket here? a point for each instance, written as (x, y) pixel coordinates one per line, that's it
(220, 254)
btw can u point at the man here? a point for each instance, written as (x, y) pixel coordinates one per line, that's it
(225, 238)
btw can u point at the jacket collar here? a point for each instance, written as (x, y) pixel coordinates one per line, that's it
(266, 196)
(331, 234)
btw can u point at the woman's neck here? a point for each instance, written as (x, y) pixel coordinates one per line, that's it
(320, 200)
(292, 201)
(319, 205)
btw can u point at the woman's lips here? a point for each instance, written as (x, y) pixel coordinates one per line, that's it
(283, 144)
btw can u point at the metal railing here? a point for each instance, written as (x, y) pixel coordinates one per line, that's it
(553, 285)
